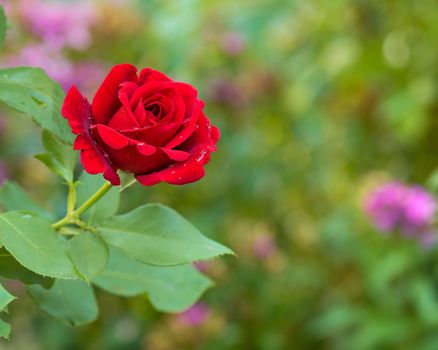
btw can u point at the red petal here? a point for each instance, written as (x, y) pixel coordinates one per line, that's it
(106, 101)
(123, 119)
(181, 173)
(156, 135)
(111, 175)
(147, 75)
(188, 94)
(201, 143)
(178, 174)
(123, 97)
(215, 133)
(187, 91)
(140, 113)
(178, 156)
(149, 90)
(146, 149)
(188, 129)
(77, 110)
(81, 143)
(131, 160)
(111, 137)
(128, 88)
(91, 161)
(173, 107)
(205, 137)
(94, 161)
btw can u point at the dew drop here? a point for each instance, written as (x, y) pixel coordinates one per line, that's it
(26, 216)
(201, 156)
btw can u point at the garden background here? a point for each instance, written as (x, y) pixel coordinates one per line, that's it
(318, 102)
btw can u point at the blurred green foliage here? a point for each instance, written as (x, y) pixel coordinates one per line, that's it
(316, 101)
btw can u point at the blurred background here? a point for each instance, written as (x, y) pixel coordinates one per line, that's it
(318, 103)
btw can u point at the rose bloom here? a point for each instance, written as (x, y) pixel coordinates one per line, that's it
(146, 124)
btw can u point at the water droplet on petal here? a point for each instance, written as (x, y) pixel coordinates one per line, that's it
(201, 156)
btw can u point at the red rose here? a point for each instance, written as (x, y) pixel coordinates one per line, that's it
(147, 125)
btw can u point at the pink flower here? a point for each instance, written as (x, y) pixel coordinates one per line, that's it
(410, 209)
(86, 75)
(264, 246)
(233, 43)
(195, 315)
(60, 24)
(54, 63)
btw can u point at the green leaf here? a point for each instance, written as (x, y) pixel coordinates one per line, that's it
(71, 301)
(104, 208)
(35, 245)
(60, 158)
(5, 329)
(170, 289)
(13, 197)
(5, 297)
(3, 25)
(30, 91)
(157, 235)
(11, 269)
(89, 254)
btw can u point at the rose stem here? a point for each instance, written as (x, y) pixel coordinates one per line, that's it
(74, 215)
(93, 199)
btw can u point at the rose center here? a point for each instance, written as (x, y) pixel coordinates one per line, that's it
(155, 109)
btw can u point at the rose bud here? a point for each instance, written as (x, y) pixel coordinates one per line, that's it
(147, 125)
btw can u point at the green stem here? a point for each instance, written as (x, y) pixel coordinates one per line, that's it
(69, 231)
(64, 221)
(71, 199)
(72, 216)
(93, 199)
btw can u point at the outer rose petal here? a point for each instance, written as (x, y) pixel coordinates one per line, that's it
(89, 158)
(215, 133)
(130, 159)
(176, 155)
(187, 91)
(178, 174)
(106, 101)
(148, 74)
(189, 95)
(111, 137)
(78, 112)
(204, 137)
(193, 169)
